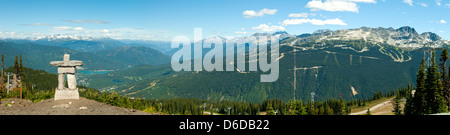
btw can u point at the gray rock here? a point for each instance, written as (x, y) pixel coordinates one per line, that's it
(61, 106)
(72, 81)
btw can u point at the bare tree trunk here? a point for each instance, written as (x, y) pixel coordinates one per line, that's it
(446, 90)
(14, 82)
(21, 91)
(1, 81)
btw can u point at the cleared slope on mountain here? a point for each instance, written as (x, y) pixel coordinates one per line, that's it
(128, 76)
(327, 70)
(329, 63)
(403, 37)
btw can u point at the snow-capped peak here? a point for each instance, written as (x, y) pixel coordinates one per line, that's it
(404, 37)
(54, 37)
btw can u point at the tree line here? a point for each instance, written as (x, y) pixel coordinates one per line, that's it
(432, 91)
(35, 85)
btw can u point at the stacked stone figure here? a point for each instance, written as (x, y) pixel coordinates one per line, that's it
(66, 67)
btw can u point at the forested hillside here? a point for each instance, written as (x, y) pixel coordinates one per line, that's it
(330, 69)
(39, 56)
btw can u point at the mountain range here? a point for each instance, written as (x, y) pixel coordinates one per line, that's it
(353, 63)
(37, 54)
(404, 37)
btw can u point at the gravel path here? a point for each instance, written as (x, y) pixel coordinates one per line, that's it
(374, 108)
(82, 106)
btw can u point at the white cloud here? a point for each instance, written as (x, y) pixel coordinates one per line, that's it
(19, 35)
(336, 21)
(37, 24)
(423, 4)
(67, 28)
(114, 33)
(268, 28)
(409, 2)
(241, 32)
(336, 5)
(438, 2)
(298, 15)
(128, 33)
(260, 13)
(105, 31)
(443, 22)
(7, 34)
(87, 21)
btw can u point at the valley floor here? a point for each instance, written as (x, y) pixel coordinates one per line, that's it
(82, 106)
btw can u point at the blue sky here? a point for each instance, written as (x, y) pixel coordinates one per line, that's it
(164, 19)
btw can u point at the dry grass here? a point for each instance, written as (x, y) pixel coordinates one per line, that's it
(369, 104)
(386, 109)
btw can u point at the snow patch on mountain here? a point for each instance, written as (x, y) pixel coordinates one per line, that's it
(60, 37)
(404, 37)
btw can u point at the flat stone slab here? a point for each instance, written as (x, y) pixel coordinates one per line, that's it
(71, 63)
(66, 94)
(65, 70)
(71, 81)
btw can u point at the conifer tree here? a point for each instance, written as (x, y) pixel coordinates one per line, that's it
(408, 90)
(397, 110)
(302, 109)
(329, 110)
(434, 89)
(16, 65)
(344, 107)
(269, 109)
(441, 103)
(445, 76)
(21, 71)
(3, 64)
(292, 108)
(442, 65)
(417, 102)
(408, 106)
(312, 109)
(321, 110)
(2, 72)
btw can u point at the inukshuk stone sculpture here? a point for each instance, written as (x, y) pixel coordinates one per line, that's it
(66, 67)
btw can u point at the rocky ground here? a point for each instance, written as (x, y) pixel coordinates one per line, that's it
(82, 106)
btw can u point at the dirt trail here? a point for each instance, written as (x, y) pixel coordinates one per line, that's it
(82, 106)
(373, 109)
(209, 113)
